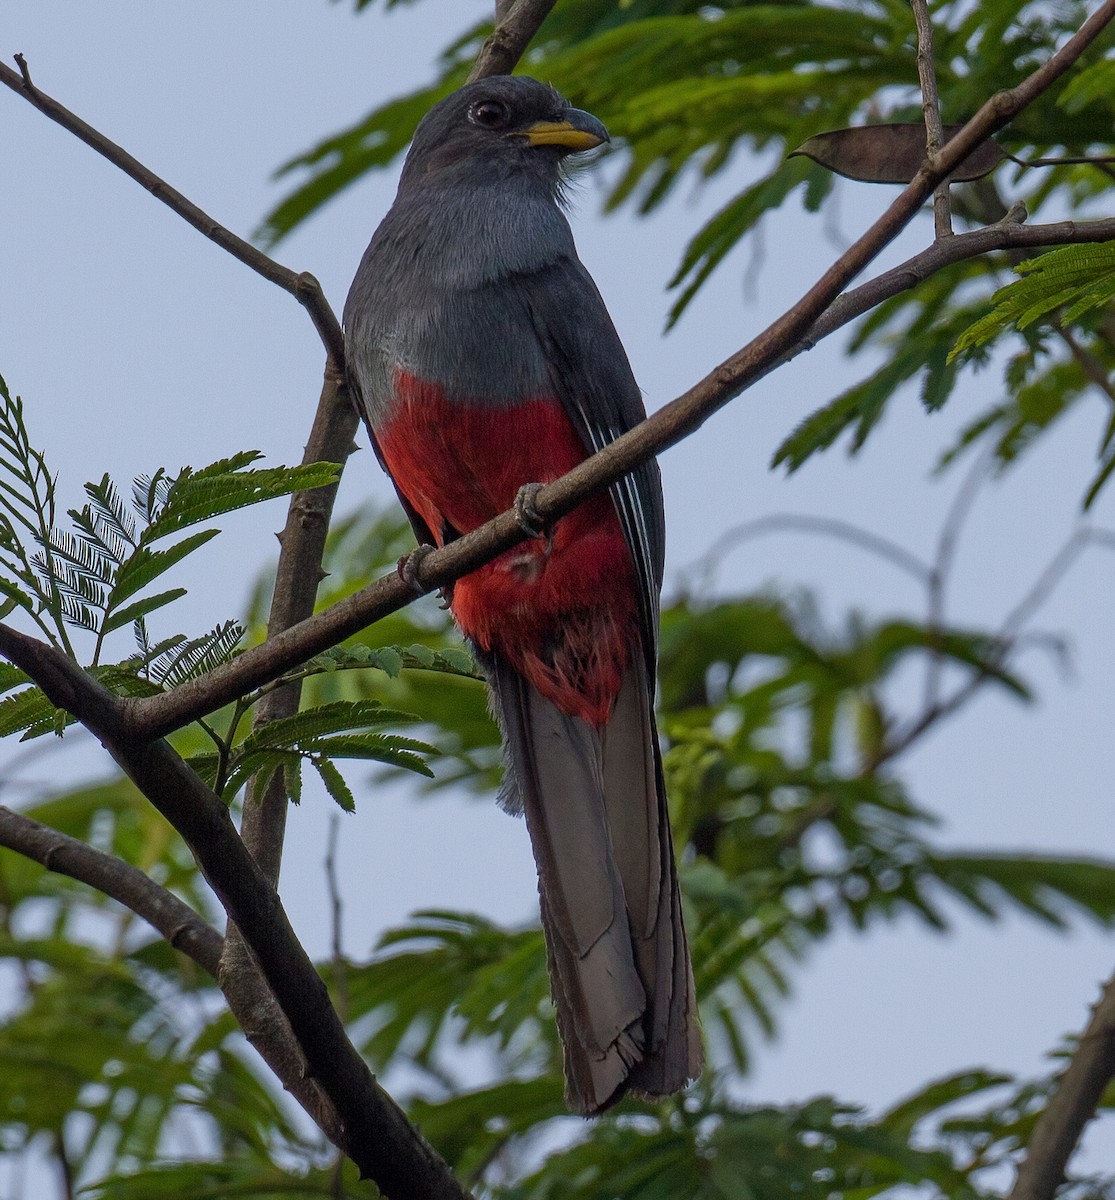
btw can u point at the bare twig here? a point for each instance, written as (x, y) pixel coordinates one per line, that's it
(162, 910)
(1006, 638)
(303, 286)
(516, 23)
(830, 527)
(943, 560)
(336, 905)
(1095, 371)
(1073, 1104)
(931, 109)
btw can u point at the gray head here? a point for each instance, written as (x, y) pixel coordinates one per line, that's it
(498, 127)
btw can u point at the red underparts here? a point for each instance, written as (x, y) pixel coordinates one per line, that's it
(561, 612)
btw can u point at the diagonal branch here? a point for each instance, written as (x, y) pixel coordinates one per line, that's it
(1073, 1104)
(373, 1131)
(162, 910)
(157, 715)
(301, 285)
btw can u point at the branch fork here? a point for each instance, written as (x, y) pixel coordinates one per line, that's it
(317, 1063)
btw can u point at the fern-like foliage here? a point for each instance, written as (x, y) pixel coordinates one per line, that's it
(691, 91)
(27, 514)
(1068, 282)
(317, 736)
(96, 574)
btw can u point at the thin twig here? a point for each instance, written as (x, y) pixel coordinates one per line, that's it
(336, 907)
(831, 527)
(1006, 639)
(931, 110)
(947, 543)
(303, 286)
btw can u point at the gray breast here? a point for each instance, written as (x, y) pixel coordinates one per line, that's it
(443, 293)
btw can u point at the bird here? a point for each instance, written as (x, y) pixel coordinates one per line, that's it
(485, 364)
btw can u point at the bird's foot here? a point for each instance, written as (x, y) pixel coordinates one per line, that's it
(526, 513)
(409, 565)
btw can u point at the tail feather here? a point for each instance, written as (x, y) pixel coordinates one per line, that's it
(596, 813)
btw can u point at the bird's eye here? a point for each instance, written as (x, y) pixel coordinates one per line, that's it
(489, 114)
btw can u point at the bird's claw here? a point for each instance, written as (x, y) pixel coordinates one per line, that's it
(526, 513)
(409, 565)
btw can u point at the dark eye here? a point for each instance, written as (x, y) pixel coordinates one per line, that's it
(489, 114)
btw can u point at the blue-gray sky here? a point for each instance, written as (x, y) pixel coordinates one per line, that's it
(136, 343)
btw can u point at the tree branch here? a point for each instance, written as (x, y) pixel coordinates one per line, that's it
(298, 574)
(516, 25)
(1073, 1104)
(931, 111)
(162, 910)
(302, 286)
(373, 1131)
(157, 715)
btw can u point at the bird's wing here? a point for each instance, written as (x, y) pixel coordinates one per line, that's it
(592, 378)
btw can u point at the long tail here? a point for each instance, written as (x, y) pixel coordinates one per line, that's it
(595, 807)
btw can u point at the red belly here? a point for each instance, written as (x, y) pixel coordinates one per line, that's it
(563, 614)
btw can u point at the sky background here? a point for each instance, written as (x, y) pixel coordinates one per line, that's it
(136, 343)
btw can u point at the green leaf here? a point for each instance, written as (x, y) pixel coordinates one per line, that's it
(146, 564)
(338, 717)
(1077, 279)
(225, 486)
(334, 782)
(141, 608)
(187, 659)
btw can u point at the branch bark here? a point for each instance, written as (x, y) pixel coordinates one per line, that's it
(1072, 1105)
(162, 910)
(369, 1127)
(372, 1130)
(516, 24)
(301, 285)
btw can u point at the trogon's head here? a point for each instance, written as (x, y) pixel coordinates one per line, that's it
(497, 127)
